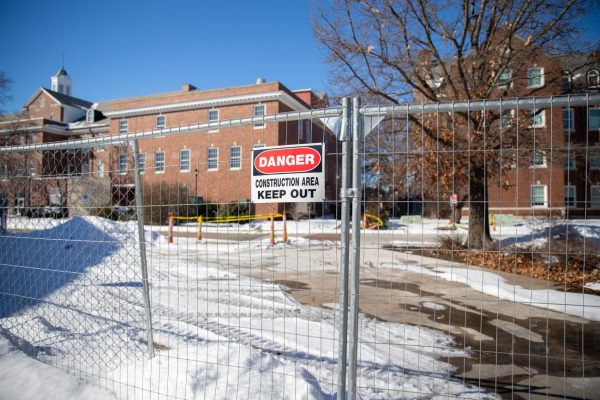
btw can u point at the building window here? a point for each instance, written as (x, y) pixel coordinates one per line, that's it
(123, 126)
(569, 161)
(32, 168)
(506, 118)
(100, 169)
(568, 120)
(538, 118)
(142, 163)
(566, 81)
(594, 119)
(184, 160)
(159, 162)
(235, 157)
(535, 77)
(122, 167)
(539, 196)
(161, 122)
(22, 139)
(570, 196)
(85, 162)
(504, 79)
(89, 117)
(213, 159)
(538, 159)
(259, 112)
(213, 117)
(593, 78)
(595, 161)
(595, 196)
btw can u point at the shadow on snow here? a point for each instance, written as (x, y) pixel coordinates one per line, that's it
(34, 265)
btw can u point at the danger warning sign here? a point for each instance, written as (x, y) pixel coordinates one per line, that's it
(293, 174)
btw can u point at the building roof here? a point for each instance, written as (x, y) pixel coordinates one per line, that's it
(62, 72)
(60, 98)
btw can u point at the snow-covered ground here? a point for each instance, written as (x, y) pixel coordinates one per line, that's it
(218, 334)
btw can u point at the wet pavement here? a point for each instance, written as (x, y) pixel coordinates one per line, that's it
(515, 350)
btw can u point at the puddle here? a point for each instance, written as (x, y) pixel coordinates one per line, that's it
(294, 285)
(548, 346)
(405, 286)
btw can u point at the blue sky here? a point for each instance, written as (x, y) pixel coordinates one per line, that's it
(124, 48)
(127, 48)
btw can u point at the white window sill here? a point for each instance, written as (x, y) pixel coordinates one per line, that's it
(159, 172)
(212, 169)
(184, 171)
(235, 168)
(213, 130)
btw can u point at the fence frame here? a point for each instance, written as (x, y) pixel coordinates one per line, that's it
(351, 136)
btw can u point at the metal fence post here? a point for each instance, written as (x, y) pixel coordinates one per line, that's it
(139, 205)
(354, 272)
(345, 254)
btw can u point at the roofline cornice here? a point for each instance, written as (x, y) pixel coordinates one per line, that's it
(278, 95)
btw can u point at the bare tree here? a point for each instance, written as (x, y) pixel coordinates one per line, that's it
(433, 51)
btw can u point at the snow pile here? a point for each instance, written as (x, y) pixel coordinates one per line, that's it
(24, 378)
(218, 334)
(581, 305)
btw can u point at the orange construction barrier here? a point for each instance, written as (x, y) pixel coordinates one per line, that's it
(200, 227)
(171, 223)
(494, 222)
(285, 235)
(272, 234)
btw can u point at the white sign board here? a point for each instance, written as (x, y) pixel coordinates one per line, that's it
(288, 174)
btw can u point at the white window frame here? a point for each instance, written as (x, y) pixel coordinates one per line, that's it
(123, 126)
(142, 163)
(569, 188)
(259, 125)
(212, 120)
(100, 169)
(571, 119)
(534, 113)
(594, 165)
(545, 188)
(597, 118)
(570, 161)
(544, 163)
(89, 116)
(160, 166)
(505, 83)
(237, 158)
(592, 78)
(122, 166)
(181, 160)
(594, 200)
(541, 76)
(210, 160)
(162, 125)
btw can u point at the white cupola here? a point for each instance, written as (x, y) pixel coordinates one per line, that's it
(61, 82)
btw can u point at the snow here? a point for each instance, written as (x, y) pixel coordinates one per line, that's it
(22, 377)
(219, 334)
(593, 285)
(578, 304)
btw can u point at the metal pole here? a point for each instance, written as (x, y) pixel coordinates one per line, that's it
(139, 205)
(354, 272)
(345, 254)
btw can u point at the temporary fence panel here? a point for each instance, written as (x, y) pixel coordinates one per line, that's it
(138, 262)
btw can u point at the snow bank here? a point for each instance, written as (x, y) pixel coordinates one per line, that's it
(581, 305)
(23, 378)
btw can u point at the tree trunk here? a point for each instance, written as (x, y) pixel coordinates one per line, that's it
(479, 229)
(456, 213)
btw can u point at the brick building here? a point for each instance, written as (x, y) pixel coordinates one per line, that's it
(211, 166)
(558, 171)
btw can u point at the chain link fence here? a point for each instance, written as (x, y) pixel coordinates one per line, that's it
(455, 256)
